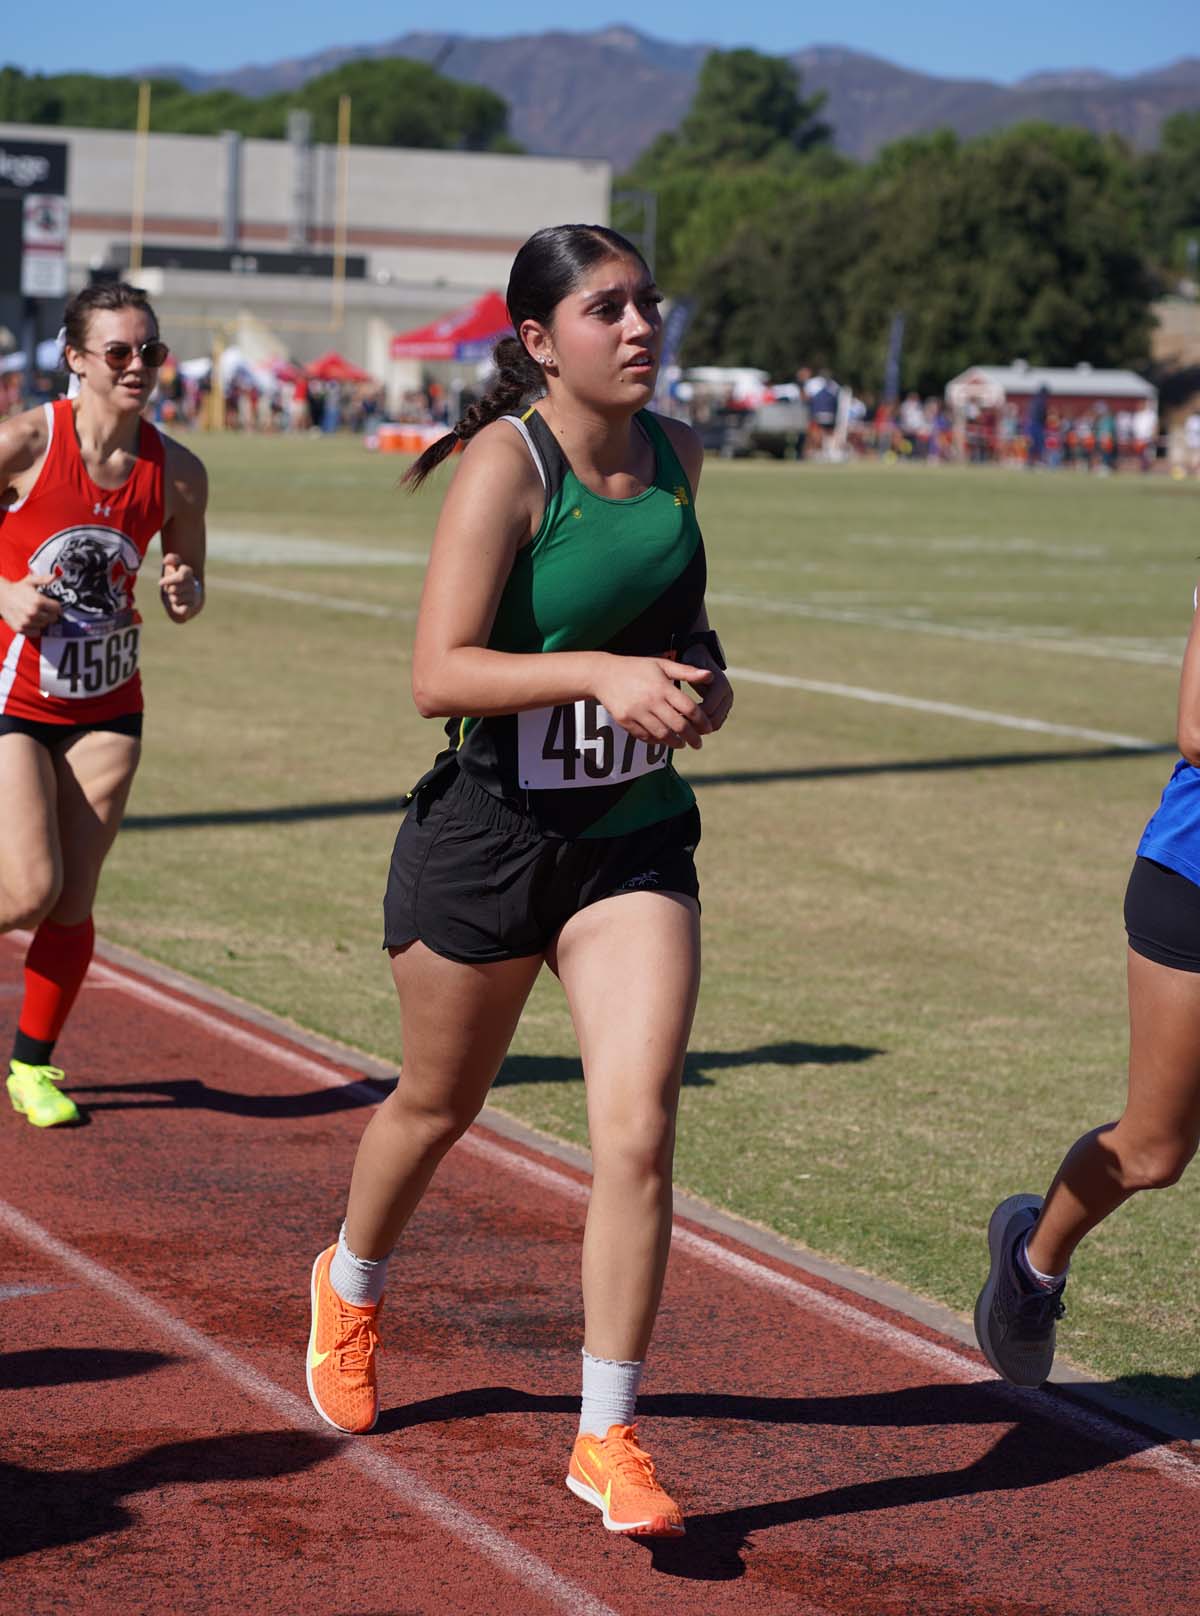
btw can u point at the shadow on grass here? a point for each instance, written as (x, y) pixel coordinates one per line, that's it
(1176, 1391)
(45, 1509)
(1036, 1450)
(193, 1094)
(567, 1069)
(394, 806)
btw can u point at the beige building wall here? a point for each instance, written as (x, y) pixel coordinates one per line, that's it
(436, 228)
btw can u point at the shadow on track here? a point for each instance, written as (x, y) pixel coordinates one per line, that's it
(44, 1509)
(65, 1366)
(1031, 1453)
(191, 1094)
(367, 807)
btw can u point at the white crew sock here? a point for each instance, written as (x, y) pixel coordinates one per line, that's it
(610, 1391)
(356, 1280)
(1048, 1282)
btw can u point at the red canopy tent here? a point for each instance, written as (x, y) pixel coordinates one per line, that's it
(334, 367)
(468, 333)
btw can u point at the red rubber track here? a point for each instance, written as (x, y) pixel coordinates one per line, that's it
(159, 1453)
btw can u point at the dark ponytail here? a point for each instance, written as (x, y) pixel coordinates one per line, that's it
(548, 266)
(518, 377)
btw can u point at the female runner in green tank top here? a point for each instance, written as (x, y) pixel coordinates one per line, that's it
(563, 636)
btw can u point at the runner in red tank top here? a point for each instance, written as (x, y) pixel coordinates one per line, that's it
(85, 484)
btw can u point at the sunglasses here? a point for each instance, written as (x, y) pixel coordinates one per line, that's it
(116, 355)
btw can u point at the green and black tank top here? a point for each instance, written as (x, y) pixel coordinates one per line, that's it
(619, 575)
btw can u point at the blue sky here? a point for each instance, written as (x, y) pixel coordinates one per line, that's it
(1000, 42)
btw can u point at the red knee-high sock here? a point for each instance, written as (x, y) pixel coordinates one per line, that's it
(55, 967)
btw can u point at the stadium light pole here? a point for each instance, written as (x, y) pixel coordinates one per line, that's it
(340, 212)
(140, 154)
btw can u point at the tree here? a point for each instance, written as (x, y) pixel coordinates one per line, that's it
(1023, 244)
(1170, 186)
(396, 102)
(748, 140)
(748, 107)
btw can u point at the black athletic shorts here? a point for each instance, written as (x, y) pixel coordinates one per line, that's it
(477, 882)
(1162, 915)
(53, 736)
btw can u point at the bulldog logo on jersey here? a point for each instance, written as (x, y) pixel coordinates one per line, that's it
(92, 571)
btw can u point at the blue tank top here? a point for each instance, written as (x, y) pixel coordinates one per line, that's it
(1173, 835)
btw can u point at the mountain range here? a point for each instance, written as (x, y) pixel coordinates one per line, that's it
(608, 92)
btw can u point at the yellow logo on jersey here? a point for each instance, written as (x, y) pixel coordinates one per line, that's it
(681, 497)
(577, 514)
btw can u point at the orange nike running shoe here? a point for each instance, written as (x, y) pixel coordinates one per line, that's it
(341, 1355)
(617, 1476)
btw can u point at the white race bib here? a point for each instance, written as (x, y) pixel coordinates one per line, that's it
(80, 666)
(580, 744)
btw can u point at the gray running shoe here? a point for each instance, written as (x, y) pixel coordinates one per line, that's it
(1014, 1318)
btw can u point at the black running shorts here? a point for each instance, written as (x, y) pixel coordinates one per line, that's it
(1162, 915)
(55, 736)
(477, 882)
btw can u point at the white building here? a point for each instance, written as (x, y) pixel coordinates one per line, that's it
(424, 231)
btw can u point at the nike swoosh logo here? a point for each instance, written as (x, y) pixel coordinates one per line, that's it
(606, 1495)
(316, 1359)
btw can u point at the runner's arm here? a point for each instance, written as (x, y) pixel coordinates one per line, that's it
(1187, 728)
(24, 440)
(717, 699)
(183, 536)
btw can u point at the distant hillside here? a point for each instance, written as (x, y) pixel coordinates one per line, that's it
(608, 92)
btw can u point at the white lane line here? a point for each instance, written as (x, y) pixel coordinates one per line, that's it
(1102, 650)
(946, 1359)
(412, 1492)
(818, 687)
(291, 550)
(944, 709)
(331, 603)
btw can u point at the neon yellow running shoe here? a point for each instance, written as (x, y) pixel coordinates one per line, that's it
(32, 1092)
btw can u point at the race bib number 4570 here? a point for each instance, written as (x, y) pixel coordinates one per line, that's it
(580, 744)
(82, 666)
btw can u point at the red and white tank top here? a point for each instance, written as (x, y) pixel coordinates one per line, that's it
(90, 541)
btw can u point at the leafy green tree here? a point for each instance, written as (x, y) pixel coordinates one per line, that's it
(1170, 185)
(396, 102)
(748, 140)
(747, 107)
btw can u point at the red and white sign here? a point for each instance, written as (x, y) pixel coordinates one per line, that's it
(46, 224)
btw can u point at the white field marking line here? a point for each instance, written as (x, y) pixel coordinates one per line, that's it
(947, 1360)
(477, 1535)
(283, 549)
(818, 687)
(858, 1320)
(1101, 650)
(944, 709)
(333, 603)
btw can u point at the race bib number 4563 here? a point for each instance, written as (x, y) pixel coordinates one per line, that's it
(78, 667)
(580, 744)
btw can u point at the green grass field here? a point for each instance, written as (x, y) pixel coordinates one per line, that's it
(914, 971)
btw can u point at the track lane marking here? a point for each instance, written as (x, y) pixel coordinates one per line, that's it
(945, 709)
(1068, 645)
(948, 1360)
(783, 681)
(473, 1533)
